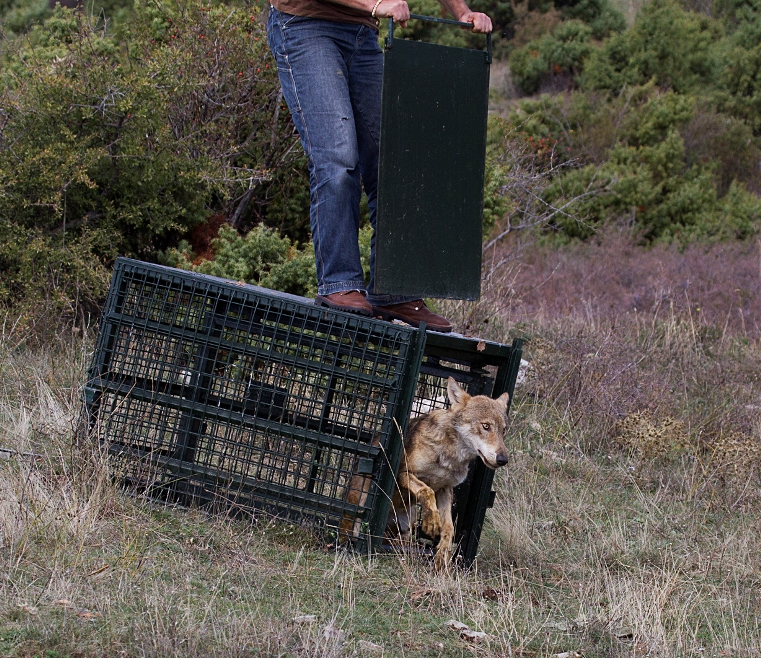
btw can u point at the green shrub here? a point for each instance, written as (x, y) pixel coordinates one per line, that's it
(109, 150)
(726, 141)
(561, 52)
(49, 284)
(284, 203)
(741, 19)
(737, 216)
(495, 202)
(739, 90)
(501, 14)
(628, 160)
(600, 15)
(674, 47)
(529, 66)
(261, 257)
(417, 30)
(17, 15)
(663, 198)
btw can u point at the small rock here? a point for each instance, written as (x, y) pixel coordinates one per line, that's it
(305, 619)
(465, 633)
(456, 625)
(524, 371)
(332, 632)
(473, 636)
(370, 647)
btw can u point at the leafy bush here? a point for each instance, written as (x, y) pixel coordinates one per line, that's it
(109, 150)
(600, 15)
(662, 162)
(739, 91)
(561, 52)
(509, 21)
(261, 257)
(726, 141)
(283, 203)
(17, 15)
(674, 47)
(663, 198)
(501, 14)
(49, 283)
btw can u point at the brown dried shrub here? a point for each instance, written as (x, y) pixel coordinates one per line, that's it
(646, 437)
(713, 287)
(734, 458)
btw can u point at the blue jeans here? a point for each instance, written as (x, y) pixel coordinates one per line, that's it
(332, 74)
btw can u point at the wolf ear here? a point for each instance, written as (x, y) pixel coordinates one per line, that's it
(503, 400)
(456, 394)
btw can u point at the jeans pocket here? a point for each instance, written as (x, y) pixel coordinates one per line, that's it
(292, 20)
(280, 18)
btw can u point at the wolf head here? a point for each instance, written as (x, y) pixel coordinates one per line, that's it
(480, 423)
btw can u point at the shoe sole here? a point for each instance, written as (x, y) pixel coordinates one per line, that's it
(390, 317)
(321, 301)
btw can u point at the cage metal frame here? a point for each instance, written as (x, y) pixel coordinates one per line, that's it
(218, 393)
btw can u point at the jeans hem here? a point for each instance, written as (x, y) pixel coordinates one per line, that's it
(343, 286)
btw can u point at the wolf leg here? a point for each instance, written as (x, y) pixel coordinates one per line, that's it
(427, 499)
(443, 557)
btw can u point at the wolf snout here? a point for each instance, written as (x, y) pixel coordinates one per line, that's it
(501, 460)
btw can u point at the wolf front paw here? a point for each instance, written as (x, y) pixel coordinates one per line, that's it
(432, 524)
(443, 559)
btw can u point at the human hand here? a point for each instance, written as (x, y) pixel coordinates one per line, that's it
(481, 22)
(396, 9)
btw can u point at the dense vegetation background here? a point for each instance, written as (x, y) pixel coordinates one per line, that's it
(157, 130)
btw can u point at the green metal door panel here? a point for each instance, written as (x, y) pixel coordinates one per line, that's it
(430, 188)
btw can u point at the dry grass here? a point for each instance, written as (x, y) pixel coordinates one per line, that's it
(626, 525)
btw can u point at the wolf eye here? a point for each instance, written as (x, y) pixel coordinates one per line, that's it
(486, 426)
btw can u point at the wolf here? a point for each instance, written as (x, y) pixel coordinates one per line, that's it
(438, 450)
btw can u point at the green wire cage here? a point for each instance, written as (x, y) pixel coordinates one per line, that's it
(219, 394)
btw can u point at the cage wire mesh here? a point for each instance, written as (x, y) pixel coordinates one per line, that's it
(207, 392)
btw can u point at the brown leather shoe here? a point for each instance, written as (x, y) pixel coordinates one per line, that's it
(414, 313)
(352, 301)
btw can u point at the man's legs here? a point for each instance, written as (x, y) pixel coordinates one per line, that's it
(332, 76)
(312, 60)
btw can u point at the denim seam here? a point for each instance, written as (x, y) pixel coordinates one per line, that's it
(356, 46)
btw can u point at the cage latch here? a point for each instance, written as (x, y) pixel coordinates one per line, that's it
(365, 466)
